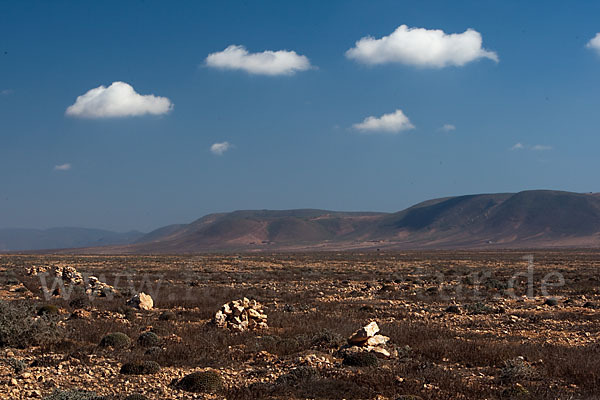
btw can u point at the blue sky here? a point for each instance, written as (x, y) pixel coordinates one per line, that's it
(293, 135)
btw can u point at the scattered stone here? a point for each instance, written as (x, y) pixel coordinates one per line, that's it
(241, 315)
(141, 301)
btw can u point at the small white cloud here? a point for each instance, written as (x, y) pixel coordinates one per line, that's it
(421, 47)
(389, 123)
(6, 92)
(268, 62)
(594, 43)
(220, 148)
(448, 128)
(117, 100)
(536, 147)
(62, 167)
(541, 147)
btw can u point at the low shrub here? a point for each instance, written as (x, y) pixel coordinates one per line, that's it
(296, 375)
(201, 382)
(361, 359)
(148, 339)
(17, 365)
(47, 309)
(167, 316)
(136, 396)
(20, 328)
(517, 369)
(72, 395)
(117, 340)
(140, 368)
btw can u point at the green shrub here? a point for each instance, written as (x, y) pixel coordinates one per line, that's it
(136, 396)
(201, 382)
(327, 339)
(361, 359)
(20, 328)
(17, 365)
(116, 339)
(167, 316)
(517, 369)
(453, 309)
(48, 309)
(551, 301)
(140, 368)
(72, 395)
(297, 375)
(148, 339)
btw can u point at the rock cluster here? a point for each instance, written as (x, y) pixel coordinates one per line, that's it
(241, 315)
(367, 339)
(70, 276)
(141, 301)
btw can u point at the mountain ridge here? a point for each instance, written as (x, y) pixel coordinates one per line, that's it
(527, 219)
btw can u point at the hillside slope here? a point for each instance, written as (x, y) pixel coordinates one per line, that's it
(538, 218)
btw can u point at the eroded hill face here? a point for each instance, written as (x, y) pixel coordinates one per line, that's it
(505, 220)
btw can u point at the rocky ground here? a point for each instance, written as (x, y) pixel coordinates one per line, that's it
(448, 325)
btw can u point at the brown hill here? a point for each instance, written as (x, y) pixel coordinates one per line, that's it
(537, 218)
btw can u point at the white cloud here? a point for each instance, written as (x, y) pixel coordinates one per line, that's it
(448, 128)
(6, 92)
(220, 148)
(594, 43)
(280, 62)
(117, 100)
(62, 167)
(541, 147)
(536, 147)
(390, 123)
(421, 47)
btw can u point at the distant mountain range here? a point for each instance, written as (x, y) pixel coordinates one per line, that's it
(60, 238)
(538, 218)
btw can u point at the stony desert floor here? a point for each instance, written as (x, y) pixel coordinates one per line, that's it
(461, 325)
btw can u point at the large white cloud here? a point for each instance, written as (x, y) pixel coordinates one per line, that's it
(422, 48)
(280, 62)
(387, 123)
(594, 43)
(220, 148)
(117, 100)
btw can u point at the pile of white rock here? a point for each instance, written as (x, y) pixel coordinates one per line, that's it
(367, 339)
(70, 276)
(241, 315)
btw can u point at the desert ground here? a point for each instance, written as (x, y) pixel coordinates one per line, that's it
(452, 325)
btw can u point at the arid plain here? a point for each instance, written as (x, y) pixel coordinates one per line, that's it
(456, 325)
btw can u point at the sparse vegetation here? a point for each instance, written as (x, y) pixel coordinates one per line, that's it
(201, 382)
(140, 368)
(117, 340)
(314, 303)
(148, 339)
(361, 359)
